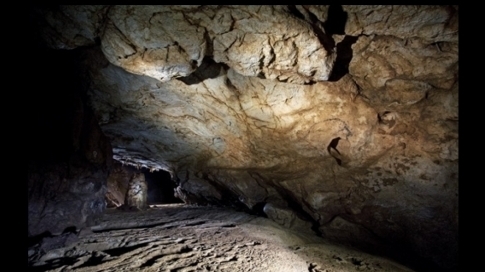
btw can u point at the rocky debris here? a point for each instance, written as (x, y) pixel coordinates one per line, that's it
(188, 238)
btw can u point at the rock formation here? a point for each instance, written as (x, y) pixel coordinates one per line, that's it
(117, 185)
(68, 154)
(137, 193)
(343, 116)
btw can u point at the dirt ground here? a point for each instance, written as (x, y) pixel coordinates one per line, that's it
(178, 237)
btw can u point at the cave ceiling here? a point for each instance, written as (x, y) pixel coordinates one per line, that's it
(347, 112)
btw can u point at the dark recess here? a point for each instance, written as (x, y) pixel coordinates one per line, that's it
(53, 108)
(403, 254)
(229, 198)
(295, 11)
(333, 146)
(258, 209)
(160, 187)
(295, 206)
(335, 24)
(207, 69)
(325, 38)
(336, 20)
(344, 56)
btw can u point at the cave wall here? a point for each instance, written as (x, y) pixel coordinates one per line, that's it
(117, 185)
(68, 154)
(345, 117)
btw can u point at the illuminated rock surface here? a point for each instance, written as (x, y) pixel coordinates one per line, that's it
(341, 119)
(183, 238)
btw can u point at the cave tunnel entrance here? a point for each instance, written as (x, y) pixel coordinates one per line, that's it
(160, 187)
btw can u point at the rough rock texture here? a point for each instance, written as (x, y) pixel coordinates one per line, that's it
(117, 185)
(286, 217)
(137, 193)
(68, 157)
(165, 41)
(68, 27)
(185, 238)
(234, 102)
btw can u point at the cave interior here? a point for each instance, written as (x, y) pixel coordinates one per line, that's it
(334, 128)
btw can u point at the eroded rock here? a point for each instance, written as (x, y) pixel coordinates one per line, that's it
(137, 192)
(176, 237)
(117, 185)
(430, 23)
(236, 104)
(286, 217)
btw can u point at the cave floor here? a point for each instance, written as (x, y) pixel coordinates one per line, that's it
(178, 237)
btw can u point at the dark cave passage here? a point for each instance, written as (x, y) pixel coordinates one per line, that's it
(127, 184)
(160, 187)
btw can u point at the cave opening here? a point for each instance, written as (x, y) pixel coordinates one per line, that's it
(160, 187)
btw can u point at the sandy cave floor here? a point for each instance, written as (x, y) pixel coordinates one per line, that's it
(177, 237)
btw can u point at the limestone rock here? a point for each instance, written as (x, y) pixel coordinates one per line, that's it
(242, 106)
(430, 23)
(384, 65)
(117, 185)
(267, 41)
(137, 193)
(286, 217)
(155, 41)
(164, 42)
(246, 133)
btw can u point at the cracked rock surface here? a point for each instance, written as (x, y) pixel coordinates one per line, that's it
(177, 237)
(164, 42)
(336, 119)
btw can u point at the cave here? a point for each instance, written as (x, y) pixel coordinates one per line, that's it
(160, 188)
(243, 138)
